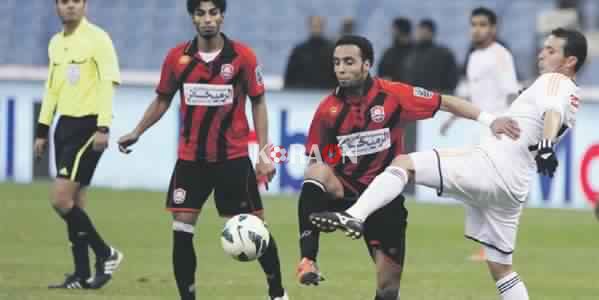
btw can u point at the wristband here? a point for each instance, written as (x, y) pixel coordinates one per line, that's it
(486, 118)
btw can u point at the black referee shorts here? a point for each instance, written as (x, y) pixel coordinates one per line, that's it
(75, 158)
(233, 182)
(385, 229)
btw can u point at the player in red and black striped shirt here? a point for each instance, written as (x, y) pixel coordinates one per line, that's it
(364, 119)
(213, 75)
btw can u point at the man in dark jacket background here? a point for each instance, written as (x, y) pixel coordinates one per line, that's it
(392, 62)
(310, 64)
(430, 65)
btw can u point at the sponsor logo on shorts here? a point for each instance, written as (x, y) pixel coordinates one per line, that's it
(179, 196)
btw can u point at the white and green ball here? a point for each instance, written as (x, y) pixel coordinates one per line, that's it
(245, 237)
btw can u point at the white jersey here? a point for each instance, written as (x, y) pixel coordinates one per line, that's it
(491, 78)
(513, 159)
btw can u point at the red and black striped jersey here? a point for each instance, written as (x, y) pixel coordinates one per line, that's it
(213, 94)
(367, 128)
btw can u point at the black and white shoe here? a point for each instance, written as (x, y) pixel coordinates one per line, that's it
(352, 227)
(105, 267)
(71, 281)
(284, 297)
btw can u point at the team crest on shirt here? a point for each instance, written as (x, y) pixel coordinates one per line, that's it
(377, 113)
(423, 93)
(179, 196)
(227, 71)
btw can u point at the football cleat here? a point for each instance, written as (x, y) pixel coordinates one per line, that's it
(105, 267)
(71, 281)
(308, 273)
(352, 227)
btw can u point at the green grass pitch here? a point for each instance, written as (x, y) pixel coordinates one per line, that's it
(557, 255)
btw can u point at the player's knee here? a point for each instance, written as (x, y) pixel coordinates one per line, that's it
(324, 174)
(63, 198)
(404, 162)
(189, 218)
(318, 171)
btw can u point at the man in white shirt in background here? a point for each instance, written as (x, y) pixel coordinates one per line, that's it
(490, 73)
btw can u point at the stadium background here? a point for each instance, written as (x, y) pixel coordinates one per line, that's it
(143, 31)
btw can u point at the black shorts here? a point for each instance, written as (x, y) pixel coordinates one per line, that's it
(385, 229)
(233, 182)
(75, 158)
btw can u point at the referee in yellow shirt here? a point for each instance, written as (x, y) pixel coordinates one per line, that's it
(82, 73)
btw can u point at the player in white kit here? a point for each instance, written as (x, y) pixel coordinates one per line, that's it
(490, 71)
(492, 179)
(490, 74)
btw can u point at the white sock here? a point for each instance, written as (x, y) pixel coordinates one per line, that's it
(383, 189)
(511, 287)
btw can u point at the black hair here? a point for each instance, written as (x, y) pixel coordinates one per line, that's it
(483, 11)
(366, 50)
(403, 25)
(576, 44)
(57, 1)
(430, 24)
(193, 4)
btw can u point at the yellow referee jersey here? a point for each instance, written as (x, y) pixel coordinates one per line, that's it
(83, 68)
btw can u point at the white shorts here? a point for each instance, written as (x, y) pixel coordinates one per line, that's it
(467, 174)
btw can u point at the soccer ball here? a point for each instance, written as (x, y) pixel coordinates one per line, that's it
(245, 237)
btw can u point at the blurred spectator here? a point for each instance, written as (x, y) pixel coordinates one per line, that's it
(392, 63)
(310, 64)
(431, 66)
(348, 26)
(573, 4)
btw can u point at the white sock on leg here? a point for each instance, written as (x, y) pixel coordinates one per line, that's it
(511, 287)
(383, 189)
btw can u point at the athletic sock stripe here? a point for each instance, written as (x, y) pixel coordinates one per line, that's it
(316, 183)
(510, 287)
(508, 284)
(516, 277)
(503, 285)
(180, 226)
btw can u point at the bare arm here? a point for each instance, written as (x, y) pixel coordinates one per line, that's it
(551, 126)
(464, 109)
(265, 170)
(153, 113)
(260, 116)
(459, 107)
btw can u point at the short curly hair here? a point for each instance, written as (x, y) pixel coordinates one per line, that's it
(193, 4)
